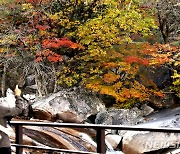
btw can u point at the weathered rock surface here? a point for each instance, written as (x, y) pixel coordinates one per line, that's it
(77, 101)
(153, 141)
(123, 116)
(68, 117)
(142, 142)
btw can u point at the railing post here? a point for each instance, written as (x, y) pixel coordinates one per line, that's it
(100, 138)
(19, 138)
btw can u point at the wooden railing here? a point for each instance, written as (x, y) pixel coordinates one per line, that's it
(100, 135)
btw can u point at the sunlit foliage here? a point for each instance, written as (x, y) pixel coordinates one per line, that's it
(98, 39)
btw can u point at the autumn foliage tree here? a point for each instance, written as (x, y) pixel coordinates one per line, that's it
(97, 39)
(96, 68)
(30, 41)
(106, 70)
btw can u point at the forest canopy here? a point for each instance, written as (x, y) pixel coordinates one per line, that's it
(105, 46)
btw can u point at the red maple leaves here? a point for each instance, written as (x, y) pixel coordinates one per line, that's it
(55, 44)
(49, 55)
(135, 59)
(63, 42)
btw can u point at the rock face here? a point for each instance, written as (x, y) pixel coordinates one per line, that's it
(154, 141)
(123, 116)
(68, 117)
(148, 142)
(77, 101)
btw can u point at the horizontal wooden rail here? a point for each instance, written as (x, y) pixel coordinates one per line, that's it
(100, 135)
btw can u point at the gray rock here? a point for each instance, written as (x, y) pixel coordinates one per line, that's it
(146, 110)
(123, 116)
(153, 141)
(148, 141)
(76, 100)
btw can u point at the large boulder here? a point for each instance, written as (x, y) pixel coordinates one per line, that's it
(153, 141)
(148, 142)
(75, 101)
(116, 116)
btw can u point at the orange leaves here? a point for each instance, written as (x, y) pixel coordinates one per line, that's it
(166, 47)
(117, 85)
(63, 42)
(161, 59)
(49, 55)
(157, 48)
(148, 49)
(38, 59)
(135, 59)
(42, 27)
(159, 94)
(161, 53)
(137, 91)
(108, 90)
(75, 46)
(132, 59)
(156, 54)
(120, 91)
(95, 85)
(109, 65)
(110, 77)
(144, 62)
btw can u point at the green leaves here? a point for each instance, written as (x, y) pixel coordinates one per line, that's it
(176, 83)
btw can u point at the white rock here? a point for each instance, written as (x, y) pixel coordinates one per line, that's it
(114, 140)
